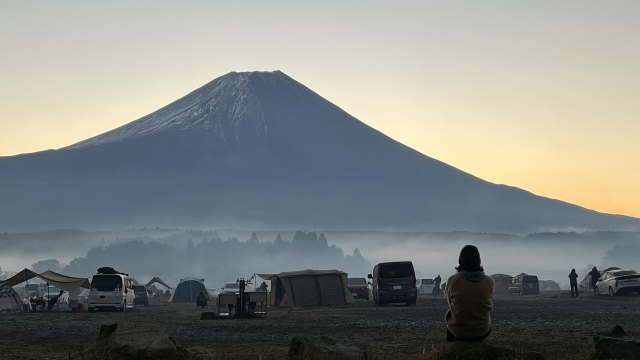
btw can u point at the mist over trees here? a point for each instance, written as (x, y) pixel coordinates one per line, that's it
(623, 256)
(213, 259)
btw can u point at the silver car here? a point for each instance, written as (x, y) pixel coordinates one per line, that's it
(618, 281)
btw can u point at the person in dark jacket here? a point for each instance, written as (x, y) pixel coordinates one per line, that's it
(201, 300)
(436, 285)
(52, 302)
(470, 297)
(573, 281)
(595, 275)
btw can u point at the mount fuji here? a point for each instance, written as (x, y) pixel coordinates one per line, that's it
(260, 150)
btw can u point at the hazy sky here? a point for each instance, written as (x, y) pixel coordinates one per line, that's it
(543, 95)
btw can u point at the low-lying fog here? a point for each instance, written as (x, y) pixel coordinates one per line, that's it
(168, 253)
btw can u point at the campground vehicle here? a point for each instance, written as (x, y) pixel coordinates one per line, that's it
(394, 282)
(111, 289)
(141, 295)
(618, 281)
(359, 288)
(232, 287)
(524, 284)
(426, 286)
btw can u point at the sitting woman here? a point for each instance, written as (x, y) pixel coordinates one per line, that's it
(201, 300)
(469, 294)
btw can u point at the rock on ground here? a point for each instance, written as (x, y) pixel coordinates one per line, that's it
(619, 349)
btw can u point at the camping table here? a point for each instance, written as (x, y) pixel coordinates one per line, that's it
(226, 299)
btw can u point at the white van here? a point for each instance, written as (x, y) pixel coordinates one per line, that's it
(111, 291)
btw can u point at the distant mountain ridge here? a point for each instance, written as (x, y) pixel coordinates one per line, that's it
(260, 150)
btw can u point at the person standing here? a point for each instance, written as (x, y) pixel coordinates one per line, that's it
(436, 285)
(573, 282)
(595, 275)
(470, 297)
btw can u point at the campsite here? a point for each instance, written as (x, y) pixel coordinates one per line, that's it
(552, 324)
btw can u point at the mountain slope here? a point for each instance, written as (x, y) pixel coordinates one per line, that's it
(259, 149)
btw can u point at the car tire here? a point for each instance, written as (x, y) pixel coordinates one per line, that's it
(411, 303)
(611, 293)
(91, 309)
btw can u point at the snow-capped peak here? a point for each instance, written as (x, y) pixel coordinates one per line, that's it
(216, 107)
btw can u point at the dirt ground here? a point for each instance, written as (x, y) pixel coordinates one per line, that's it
(553, 324)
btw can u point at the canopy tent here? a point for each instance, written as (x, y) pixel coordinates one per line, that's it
(159, 281)
(309, 288)
(188, 289)
(63, 282)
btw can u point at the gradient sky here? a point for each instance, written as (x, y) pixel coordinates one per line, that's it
(542, 95)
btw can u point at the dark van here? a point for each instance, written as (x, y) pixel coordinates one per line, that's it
(394, 282)
(524, 285)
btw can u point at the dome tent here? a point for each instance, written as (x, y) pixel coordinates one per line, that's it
(188, 289)
(502, 282)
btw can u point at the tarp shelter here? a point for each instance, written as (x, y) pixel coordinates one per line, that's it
(188, 289)
(159, 281)
(63, 282)
(502, 283)
(309, 288)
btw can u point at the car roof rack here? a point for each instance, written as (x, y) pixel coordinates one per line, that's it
(110, 271)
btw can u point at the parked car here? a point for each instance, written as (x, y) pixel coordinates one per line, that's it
(111, 289)
(426, 286)
(359, 288)
(34, 290)
(618, 281)
(232, 287)
(394, 282)
(141, 295)
(524, 285)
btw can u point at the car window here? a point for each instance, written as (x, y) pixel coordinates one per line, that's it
(623, 273)
(396, 271)
(357, 281)
(427, 281)
(530, 279)
(106, 282)
(139, 289)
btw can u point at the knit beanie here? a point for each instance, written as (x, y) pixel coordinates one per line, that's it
(469, 258)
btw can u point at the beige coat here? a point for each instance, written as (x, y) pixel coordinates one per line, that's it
(470, 305)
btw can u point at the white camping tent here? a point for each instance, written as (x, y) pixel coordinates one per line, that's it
(10, 301)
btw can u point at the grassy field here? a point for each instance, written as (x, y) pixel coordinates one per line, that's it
(553, 324)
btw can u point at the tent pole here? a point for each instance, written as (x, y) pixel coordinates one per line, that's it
(26, 277)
